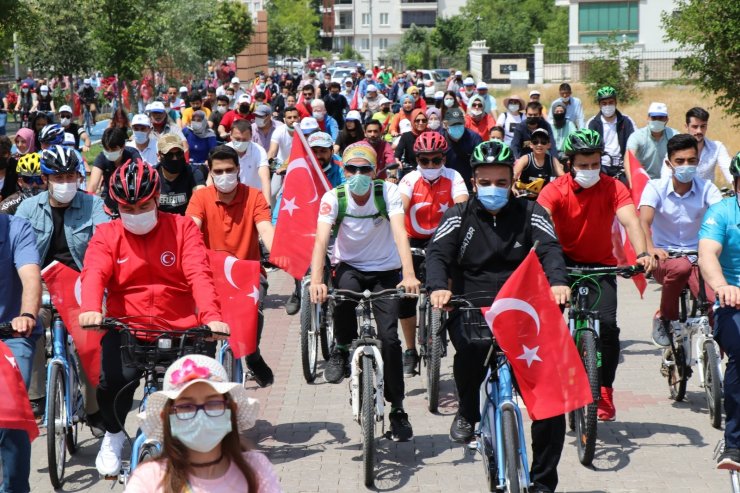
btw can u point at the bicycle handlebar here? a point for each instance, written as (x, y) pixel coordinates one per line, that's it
(368, 295)
(419, 252)
(116, 324)
(623, 271)
(681, 253)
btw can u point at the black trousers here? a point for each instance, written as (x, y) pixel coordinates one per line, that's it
(386, 322)
(609, 332)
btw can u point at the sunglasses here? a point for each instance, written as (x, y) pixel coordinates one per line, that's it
(420, 120)
(352, 169)
(425, 160)
(32, 180)
(538, 142)
(477, 106)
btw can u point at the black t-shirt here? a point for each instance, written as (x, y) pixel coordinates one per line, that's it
(75, 130)
(108, 167)
(58, 248)
(175, 195)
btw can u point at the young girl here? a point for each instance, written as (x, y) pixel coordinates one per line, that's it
(197, 419)
(533, 171)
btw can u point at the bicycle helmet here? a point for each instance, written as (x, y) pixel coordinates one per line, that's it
(134, 182)
(51, 134)
(584, 141)
(428, 142)
(59, 159)
(29, 164)
(606, 92)
(492, 152)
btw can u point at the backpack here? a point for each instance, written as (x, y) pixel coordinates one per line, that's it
(342, 204)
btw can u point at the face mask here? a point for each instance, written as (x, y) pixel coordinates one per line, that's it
(513, 108)
(456, 131)
(65, 121)
(684, 174)
(532, 120)
(558, 117)
(587, 178)
(431, 174)
(197, 126)
(24, 90)
(225, 183)
(44, 93)
(221, 109)
(174, 166)
(359, 184)
(476, 112)
(608, 110)
(260, 122)
(64, 192)
(493, 198)
(244, 108)
(240, 146)
(449, 102)
(434, 124)
(319, 115)
(203, 432)
(139, 224)
(656, 126)
(112, 155)
(566, 99)
(385, 110)
(140, 137)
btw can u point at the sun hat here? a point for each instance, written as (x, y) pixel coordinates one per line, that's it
(516, 98)
(360, 151)
(320, 139)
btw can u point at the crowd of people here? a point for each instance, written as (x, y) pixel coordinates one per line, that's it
(475, 185)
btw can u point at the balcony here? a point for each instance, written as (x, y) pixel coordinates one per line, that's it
(343, 5)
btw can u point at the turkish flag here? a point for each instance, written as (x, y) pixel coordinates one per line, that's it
(15, 408)
(64, 287)
(304, 185)
(530, 329)
(238, 285)
(355, 103)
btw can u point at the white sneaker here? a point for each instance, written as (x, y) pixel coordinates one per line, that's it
(108, 461)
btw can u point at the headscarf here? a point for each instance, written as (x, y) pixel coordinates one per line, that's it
(432, 110)
(205, 132)
(403, 100)
(28, 137)
(414, 114)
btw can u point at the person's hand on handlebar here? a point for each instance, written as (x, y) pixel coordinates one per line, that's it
(440, 298)
(658, 253)
(90, 318)
(561, 294)
(318, 292)
(648, 263)
(222, 327)
(728, 296)
(410, 284)
(23, 325)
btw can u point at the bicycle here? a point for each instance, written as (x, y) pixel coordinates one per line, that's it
(583, 322)
(678, 358)
(232, 365)
(153, 358)
(734, 475)
(317, 327)
(366, 379)
(88, 121)
(499, 437)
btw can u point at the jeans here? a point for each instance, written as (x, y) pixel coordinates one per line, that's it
(727, 335)
(15, 447)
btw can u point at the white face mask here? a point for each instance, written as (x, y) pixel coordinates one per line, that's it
(226, 182)
(608, 110)
(112, 155)
(431, 174)
(140, 137)
(240, 146)
(221, 109)
(139, 224)
(197, 126)
(656, 125)
(449, 102)
(476, 112)
(201, 433)
(566, 99)
(64, 192)
(588, 177)
(260, 122)
(513, 108)
(319, 115)
(434, 124)
(65, 121)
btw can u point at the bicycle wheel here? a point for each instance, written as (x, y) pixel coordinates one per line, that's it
(147, 452)
(713, 384)
(676, 372)
(231, 365)
(309, 338)
(326, 324)
(512, 468)
(56, 424)
(433, 359)
(585, 417)
(367, 420)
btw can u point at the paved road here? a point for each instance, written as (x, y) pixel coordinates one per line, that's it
(655, 445)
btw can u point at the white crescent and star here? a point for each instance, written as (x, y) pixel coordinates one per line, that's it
(507, 304)
(228, 266)
(415, 222)
(301, 163)
(11, 360)
(289, 205)
(255, 294)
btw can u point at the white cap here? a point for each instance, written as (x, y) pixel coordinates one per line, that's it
(658, 109)
(371, 88)
(382, 67)
(244, 98)
(235, 80)
(141, 119)
(65, 109)
(534, 92)
(353, 115)
(44, 88)
(469, 81)
(309, 124)
(157, 107)
(323, 66)
(148, 108)
(87, 81)
(439, 95)
(482, 85)
(405, 126)
(183, 89)
(383, 100)
(458, 73)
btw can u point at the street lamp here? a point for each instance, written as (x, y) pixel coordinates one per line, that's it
(477, 27)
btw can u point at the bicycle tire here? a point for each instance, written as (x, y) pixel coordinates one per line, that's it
(713, 384)
(511, 450)
(433, 359)
(326, 332)
(72, 432)
(677, 373)
(309, 338)
(56, 419)
(230, 365)
(147, 452)
(367, 420)
(585, 418)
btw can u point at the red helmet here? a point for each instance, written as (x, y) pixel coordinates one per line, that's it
(133, 182)
(25, 85)
(428, 142)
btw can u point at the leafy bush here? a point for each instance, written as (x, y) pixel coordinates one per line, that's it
(609, 65)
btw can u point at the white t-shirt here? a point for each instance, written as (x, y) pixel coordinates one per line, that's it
(364, 243)
(611, 139)
(249, 164)
(150, 154)
(284, 140)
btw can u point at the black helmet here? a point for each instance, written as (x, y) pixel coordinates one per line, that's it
(59, 159)
(492, 152)
(584, 141)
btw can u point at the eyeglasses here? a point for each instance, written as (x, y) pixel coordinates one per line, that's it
(213, 409)
(352, 169)
(32, 180)
(425, 160)
(420, 120)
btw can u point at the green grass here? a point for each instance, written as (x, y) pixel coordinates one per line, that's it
(90, 155)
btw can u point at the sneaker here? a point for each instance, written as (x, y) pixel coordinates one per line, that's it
(38, 406)
(401, 430)
(95, 422)
(262, 373)
(605, 410)
(539, 488)
(729, 460)
(461, 430)
(660, 333)
(293, 304)
(108, 461)
(410, 362)
(336, 367)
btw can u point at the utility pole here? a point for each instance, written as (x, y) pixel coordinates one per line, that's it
(370, 66)
(477, 27)
(15, 56)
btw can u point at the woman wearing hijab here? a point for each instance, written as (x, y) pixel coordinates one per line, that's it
(25, 141)
(407, 106)
(201, 138)
(405, 155)
(434, 115)
(477, 120)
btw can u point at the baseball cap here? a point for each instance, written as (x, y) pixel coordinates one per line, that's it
(439, 95)
(320, 139)
(458, 73)
(308, 125)
(534, 93)
(263, 110)
(141, 119)
(658, 109)
(167, 142)
(454, 116)
(542, 132)
(183, 89)
(157, 107)
(65, 109)
(87, 81)
(469, 81)
(235, 80)
(244, 98)
(353, 115)
(482, 85)
(371, 88)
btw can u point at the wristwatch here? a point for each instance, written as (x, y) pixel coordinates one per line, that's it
(29, 315)
(643, 254)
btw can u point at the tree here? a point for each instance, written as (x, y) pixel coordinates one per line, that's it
(450, 34)
(610, 66)
(710, 31)
(291, 26)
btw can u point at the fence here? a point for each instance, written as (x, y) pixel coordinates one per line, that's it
(651, 65)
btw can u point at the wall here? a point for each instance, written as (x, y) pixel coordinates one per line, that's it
(254, 57)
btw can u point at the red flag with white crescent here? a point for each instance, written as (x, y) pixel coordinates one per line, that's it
(530, 329)
(238, 285)
(305, 183)
(355, 104)
(15, 408)
(64, 287)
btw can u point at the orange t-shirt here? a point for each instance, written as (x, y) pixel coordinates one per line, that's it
(231, 227)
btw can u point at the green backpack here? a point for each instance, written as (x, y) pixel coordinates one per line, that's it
(342, 204)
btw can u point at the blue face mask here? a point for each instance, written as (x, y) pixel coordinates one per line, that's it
(359, 184)
(493, 198)
(456, 131)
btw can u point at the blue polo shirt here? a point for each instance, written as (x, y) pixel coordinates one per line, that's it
(17, 248)
(722, 224)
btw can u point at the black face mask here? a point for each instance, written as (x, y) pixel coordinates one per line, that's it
(174, 166)
(533, 120)
(385, 110)
(4, 162)
(244, 108)
(558, 117)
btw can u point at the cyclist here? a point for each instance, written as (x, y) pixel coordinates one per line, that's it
(371, 251)
(8, 164)
(65, 120)
(162, 124)
(671, 209)
(45, 102)
(535, 170)
(26, 101)
(614, 129)
(89, 99)
(178, 179)
(51, 135)
(478, 245)
(143, 140)
(719, 248)
(583, 205)
(114, 154)
(30, 182)
(521, 141)
(152, 264)
(426, 193)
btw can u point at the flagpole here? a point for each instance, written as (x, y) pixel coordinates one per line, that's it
(312, 159)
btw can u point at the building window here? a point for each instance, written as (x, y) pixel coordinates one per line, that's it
(365, 19)
(421, 18)
(600, 19)
(384, 19)
(383, 43)
(365, 44)
(344, 21)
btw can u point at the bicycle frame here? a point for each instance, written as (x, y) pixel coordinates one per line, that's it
(237, 361)
(149, 388)
(60, 339)
(368, 345)
(580, 314)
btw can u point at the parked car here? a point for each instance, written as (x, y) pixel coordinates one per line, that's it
(339, 74)
(350, 64)
(443, 72)
(438, 82)
(293, 64)
(316, 63)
